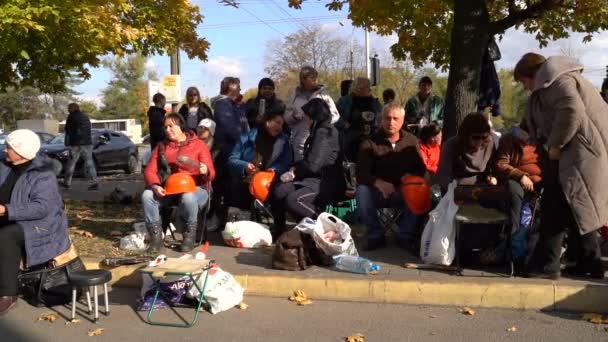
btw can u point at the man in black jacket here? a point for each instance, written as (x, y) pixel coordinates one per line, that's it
(78, 140)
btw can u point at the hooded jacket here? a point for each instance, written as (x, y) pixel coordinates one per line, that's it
(567, 112)
(243, 153)
(156, 122)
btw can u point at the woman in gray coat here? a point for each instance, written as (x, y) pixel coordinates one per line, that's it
(32, 221)
(568, 120)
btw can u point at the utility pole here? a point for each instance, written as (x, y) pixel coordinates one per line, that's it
(175, 66)
(367, 64)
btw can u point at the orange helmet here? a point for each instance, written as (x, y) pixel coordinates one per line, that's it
(179, 183)
(260, 184)
(417, 194)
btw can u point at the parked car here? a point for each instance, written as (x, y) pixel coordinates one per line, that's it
(44, 138)
(111, 151)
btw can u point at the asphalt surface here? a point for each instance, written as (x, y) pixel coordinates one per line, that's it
(274, 319)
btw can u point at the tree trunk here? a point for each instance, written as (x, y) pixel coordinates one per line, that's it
(470, 37)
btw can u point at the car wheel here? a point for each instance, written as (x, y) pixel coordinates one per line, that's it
(131, 165)
(57, 167)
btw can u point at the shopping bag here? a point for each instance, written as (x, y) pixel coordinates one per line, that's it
(246, 234)
(222, 291)
(438, 237)
(331, 235)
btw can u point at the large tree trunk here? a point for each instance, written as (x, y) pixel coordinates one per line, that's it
(470, 37)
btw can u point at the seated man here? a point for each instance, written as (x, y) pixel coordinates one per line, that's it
(384, 158)
(181, 151)
(32, 221)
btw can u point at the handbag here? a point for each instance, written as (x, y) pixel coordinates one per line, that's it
(47, 285)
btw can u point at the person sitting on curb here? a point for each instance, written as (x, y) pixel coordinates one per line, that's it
(182, 151)
(384, 159)
(32, 221)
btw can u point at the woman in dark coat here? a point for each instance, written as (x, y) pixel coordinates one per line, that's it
(194, 110)
(32, 221)
(316, 180)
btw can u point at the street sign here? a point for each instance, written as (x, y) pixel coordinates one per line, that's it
(170, 86)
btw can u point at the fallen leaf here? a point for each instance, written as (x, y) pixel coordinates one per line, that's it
(87, 234)
(410, 265)
(49, 317)
(374, 272)
(73, 321)
(116, 233)
(243, 306)
(304, 302)
(95, 332)
(512, 329)
(355, 338)
(595, 318)
(468, 311)
(300, 298)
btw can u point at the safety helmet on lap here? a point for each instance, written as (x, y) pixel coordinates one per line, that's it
(179, 183)
(259, 187)
(417, 194)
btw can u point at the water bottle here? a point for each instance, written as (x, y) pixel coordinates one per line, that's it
(355, 264)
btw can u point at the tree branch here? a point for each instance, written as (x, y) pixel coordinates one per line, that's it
(517, 16)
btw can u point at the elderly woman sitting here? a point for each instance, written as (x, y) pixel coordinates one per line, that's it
(32, 221)
(182, 151)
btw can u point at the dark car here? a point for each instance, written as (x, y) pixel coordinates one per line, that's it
(111, 151)
(44, 138)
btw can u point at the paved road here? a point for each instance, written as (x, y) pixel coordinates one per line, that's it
(274, 319)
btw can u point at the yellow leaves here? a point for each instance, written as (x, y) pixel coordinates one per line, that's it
(595, 318)
(243, 306)
(300, 298)
(95, 332)
(512, 329)
(81, 232)
(358, 337)
(468, 311)
(50, 317)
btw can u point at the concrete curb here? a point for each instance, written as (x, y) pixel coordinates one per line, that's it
(492, 294)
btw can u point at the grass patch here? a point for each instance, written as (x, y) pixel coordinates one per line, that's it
(104, 222)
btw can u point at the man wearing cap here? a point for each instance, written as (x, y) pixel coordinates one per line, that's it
(424, 107)
(78, 139)
(32, 221)
(265, 102)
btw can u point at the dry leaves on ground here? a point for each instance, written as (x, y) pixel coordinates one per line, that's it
(355, 338)
(243, 306)
(374, 273)
(96, 332)
(49, 317)
(595, 318)
(300, 298)
(81, 232)
(72, 321)
(468, 311)
(512, 329)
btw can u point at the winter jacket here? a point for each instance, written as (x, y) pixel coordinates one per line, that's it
(216, 98)
(298, 122)
(243, 153)
(567, 112)
(430, 156)
(231, 121)
(156, 125)
(203, 112)
(515, 159)
(350, 108)
(78, 129)
(379, 160)
(466, 168)
(413, 110)
(273, 105)
(37, 207)
(193, 148)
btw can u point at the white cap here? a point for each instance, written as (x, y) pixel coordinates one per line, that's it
(209, 124)
(25, 142)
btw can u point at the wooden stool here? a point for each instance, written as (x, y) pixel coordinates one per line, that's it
(86, 279)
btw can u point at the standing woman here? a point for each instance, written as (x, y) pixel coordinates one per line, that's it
(195, 109)
(568, 120)
(32, 221)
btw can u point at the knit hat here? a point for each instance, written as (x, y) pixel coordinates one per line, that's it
(208, 124)
(25, 142)
(266, 82)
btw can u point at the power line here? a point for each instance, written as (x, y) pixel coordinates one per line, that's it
(289, 15)
(262, 21)
(269, 21)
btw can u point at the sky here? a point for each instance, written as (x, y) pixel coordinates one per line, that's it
(238, 39)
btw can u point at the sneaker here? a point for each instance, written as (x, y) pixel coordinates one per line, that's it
(94, 187)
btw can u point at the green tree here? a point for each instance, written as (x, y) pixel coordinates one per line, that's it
(43, 41)
(456, 33)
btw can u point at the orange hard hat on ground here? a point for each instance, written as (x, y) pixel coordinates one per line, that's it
(179, 183)
(417, 194)
(260, 184)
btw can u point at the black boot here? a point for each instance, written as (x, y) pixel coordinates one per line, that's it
(156, 237)
(189, 235)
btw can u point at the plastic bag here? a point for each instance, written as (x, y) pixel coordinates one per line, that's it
(331, 235)
(222, 291)
(246, 234)
(133, 242)
(437, 243)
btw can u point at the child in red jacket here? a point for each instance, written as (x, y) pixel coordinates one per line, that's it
(430, 146)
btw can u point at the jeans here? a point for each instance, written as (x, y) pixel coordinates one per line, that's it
(517, 196)
(86, 151)
(189, 204)
(12, 248)
(369, 200)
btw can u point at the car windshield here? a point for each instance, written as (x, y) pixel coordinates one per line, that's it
(58, 139)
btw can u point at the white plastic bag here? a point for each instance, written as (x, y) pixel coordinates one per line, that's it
(133, 242)
(246, 234)
(437, 243)
(331, 235)
(222, 291)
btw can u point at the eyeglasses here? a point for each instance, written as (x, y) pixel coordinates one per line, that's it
(480, 136)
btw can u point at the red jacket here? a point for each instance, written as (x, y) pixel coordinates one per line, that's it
(430, 156)
(193, 148)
